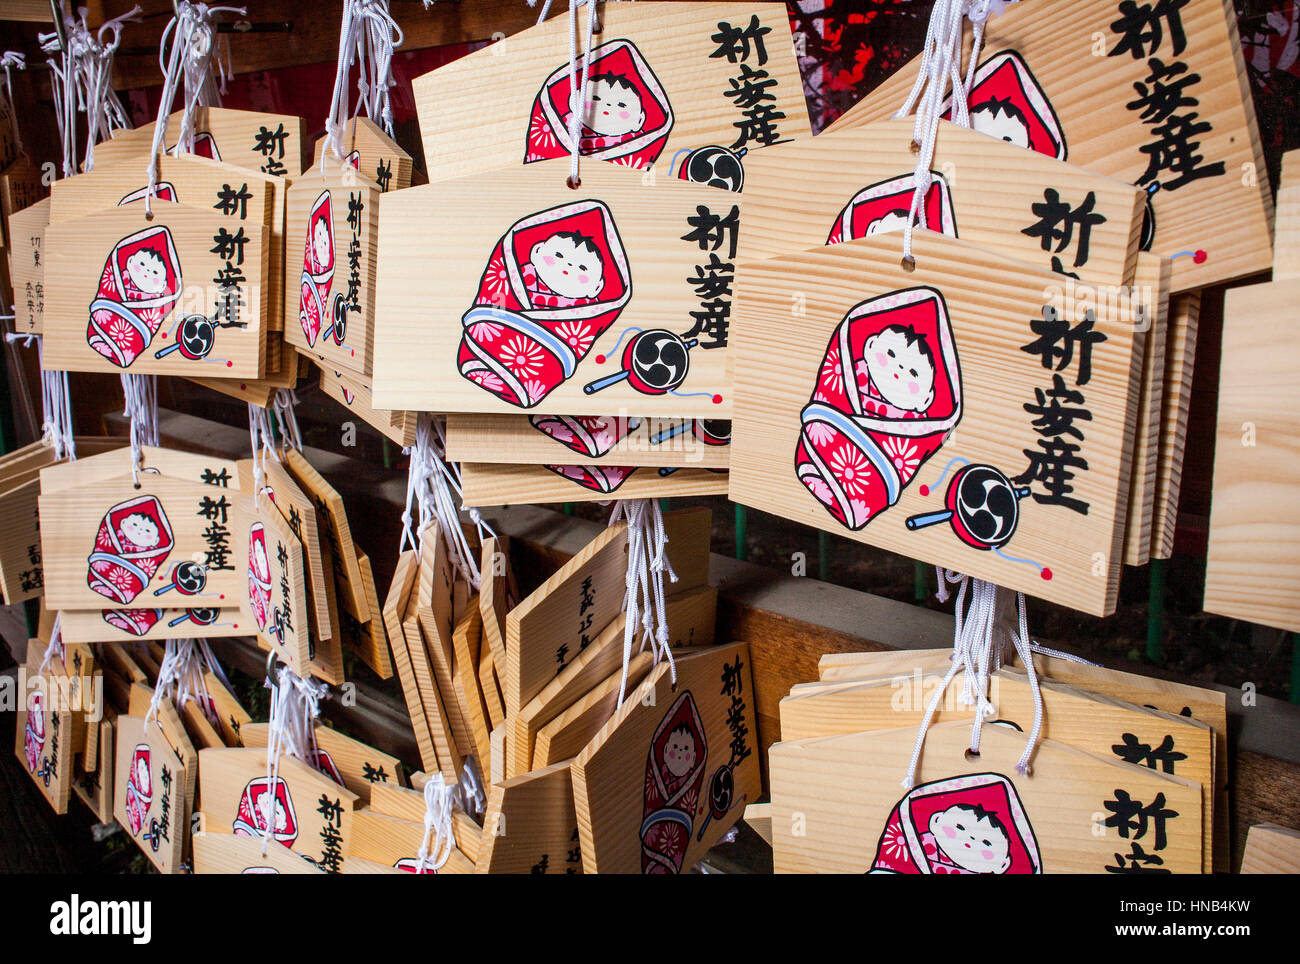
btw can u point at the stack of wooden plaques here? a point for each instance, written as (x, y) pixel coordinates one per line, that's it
(1128, 776)
(1253, 564)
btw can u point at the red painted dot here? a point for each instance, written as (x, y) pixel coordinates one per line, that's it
(222, 596)
(1047, 574)
(164, 334)
(717, 399)
(925, 490)
(242, 386)
(1199, 257)
(600, 359)
(230, 364)
(236, 626)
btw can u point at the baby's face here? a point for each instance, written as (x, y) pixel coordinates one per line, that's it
(146, 271)
(974, 845)
(679, 753)
(901, 374)
(569, 269)
(274, 819)
(320, 242)
(1001, 125)
(140, 530)
(260, 564)
(893, 221)
(613, 110)
(142, 774)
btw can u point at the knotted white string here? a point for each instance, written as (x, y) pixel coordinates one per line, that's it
(578, 91)
(181, 677)
(93, 55)
(979, 649)
(261, 439)
(433, 492)
(644, 601)
(368, 35)
(141, 395)
(284, 407)
(940, 70)
(56, 403)
(438, 840)
(63, 84)
(188, 60)
(11, 60)
(291, 728)
(55, 645)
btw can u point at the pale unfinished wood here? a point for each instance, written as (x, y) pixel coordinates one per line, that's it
(224, 853)
(832, 798)
(21, 570)
(530, 825)
(1286, 228)
(167, 812)
(449, 754)
(332, 518)
(490, 687)
(1180, 362)
(433, 606)
(558, 612)
(796, 194)
(565, 736)
(227, 775)
(466, 639)
(497, 595)
(372, 646)
(234, 133)
(621, 791)
(1228, 216)
(691, 617)
(1104, 726)
(78, 252)
(355, 395)
(408, 804)
(1271, 849)
(95, 789)
(394, 615)
(361, 766)
(1152, 279)
(396, 843)
(1253, 566)
(676, 41)
(519, 440)
(43, 740)
(283, 626)
(991, 303)
(373, 153)
(27, 257)
(485, 484)
(457, 225)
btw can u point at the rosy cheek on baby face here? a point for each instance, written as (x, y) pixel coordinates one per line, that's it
(986, 854)
(625, 114)
(914, 388)
(548, 259)
(583, 279)
(949, 832)
(881, 359)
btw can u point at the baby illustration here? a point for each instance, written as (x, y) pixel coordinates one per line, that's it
(896, 373)
(146, 271)
(140, 530)
(969, 839)
(320, 241)
(1001, 119)
(276, 820)
(565, 270)
(894, 220)
(142, 779)
(614, 109)
(261, 565)
(679, 751)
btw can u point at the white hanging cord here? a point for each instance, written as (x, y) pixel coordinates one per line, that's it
(940, 71)
(546, 9)
(56, 403)
(284, 405)
(644, 600)
(141, 395)
(11, 60)
(433, 492)
(261, 440)
(55, 646)
(368, 34)
(578, 91)
(438, 840)
(980, 649)
(181, 677)
(93, 71)
(63, 83)
(291, 728)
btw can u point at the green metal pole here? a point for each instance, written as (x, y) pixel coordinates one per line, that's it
(568, 508)
(387, 451)
(742, 520)
(1156, 611)
(919, 587)
(823, 555)
(1295, 668)
(663, 505)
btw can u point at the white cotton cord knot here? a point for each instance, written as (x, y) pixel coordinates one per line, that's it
(438, 840)
(940, 72)
(94, 62)
(56, 401)
(284, 405)
(291, 729)
(141, 395)
(545, 11)
(434, 493)
(261, 439)
(368, 38)
(644, 600)
(181, 677)
(55, 646)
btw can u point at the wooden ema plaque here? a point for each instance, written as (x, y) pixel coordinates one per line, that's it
(268, 558)
(590, 440)
(530, 826)
(838, 808)
(225, 853)
(348, 762)
(372, 153)
(177, 294)
(859, 182)
(153, 787)
(672, 770)
(267, 143)
(487, 484)
(43, 728)
(909, 396)
(167, 540)
(1106, 727)
(692, 88)
(27, 265)
(1180, 359)
(301, 808)
(508, 291)
(330, 262)
(1154, 94)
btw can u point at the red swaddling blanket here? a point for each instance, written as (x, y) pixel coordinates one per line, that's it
(133, 541)
(138, 288)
